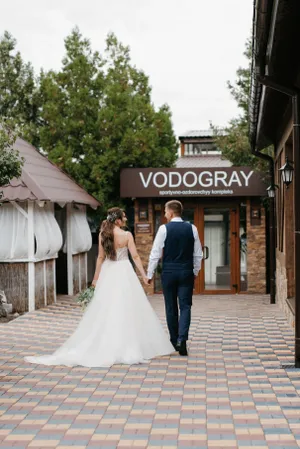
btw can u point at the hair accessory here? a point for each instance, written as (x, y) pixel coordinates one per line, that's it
(112, 216)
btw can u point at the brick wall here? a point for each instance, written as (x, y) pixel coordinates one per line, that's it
(256, 252)
(144, 241)
(256, 248)
(289, 237)
(282, 288)
(285, 267)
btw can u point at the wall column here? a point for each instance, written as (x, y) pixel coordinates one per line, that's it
(256, 250)
(143, 240)
(69, 250)
(31, 265)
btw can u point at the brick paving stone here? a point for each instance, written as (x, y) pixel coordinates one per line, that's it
(231, 391)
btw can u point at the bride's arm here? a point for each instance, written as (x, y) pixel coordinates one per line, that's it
(100, 260)
(136, 257)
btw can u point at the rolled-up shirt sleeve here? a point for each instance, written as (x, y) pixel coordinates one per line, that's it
(198, 253)
(156, 251)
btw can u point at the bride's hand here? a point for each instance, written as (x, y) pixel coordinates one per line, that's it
(146, 280)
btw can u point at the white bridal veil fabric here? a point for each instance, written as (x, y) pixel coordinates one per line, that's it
(119, 325)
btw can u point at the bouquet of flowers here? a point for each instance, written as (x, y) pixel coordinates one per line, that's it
(85, 297)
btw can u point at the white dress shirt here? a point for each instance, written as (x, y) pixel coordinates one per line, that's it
(159, 243)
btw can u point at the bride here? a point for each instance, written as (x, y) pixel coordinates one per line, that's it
(119, 325)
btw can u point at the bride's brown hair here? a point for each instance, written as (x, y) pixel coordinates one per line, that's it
(107, 231)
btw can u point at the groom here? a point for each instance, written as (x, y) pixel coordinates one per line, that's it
(182, 253)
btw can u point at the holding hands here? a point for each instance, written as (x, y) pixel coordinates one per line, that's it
(146, 280)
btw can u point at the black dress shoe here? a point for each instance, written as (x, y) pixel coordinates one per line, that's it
(181, 348)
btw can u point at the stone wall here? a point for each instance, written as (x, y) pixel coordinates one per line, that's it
(282, 288)
(256, 250)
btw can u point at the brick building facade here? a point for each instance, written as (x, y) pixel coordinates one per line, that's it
(222, 201)
(275, 124)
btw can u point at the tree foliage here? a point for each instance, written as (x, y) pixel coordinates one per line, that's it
(18, 105)
(19, 93)
(233, 140)
(92, 117)
(10, 161)
(98, 118)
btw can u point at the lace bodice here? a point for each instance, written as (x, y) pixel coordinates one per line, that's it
(122, 253)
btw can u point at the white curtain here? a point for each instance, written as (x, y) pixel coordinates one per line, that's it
(14, 238)
(47, 232)
(214, 237)
(81, 233)
(13, 233)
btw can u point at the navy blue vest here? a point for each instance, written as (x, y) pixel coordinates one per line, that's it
(179, 246)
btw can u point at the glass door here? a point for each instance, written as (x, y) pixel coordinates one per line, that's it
(219, 232)
(219, 250)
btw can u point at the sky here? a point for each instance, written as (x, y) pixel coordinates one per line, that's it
(189, 49)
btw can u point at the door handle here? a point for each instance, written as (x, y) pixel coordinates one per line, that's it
(205, 252)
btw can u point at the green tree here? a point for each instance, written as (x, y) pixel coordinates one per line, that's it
(10, 161)
(233, 140)
(70, 100)
(98, 117)
(19, 99)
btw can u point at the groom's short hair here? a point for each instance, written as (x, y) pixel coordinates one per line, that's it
(175, 206)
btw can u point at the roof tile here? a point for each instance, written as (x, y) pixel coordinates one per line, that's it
(44, 181)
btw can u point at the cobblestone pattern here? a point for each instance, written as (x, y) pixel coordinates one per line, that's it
(229, 393)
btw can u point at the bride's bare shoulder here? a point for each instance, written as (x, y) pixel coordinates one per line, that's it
(120, 238)
(119, 232)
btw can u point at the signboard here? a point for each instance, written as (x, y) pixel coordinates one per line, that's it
(186, 182)
(143, 228)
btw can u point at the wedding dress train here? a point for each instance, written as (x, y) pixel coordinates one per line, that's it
(118, 326)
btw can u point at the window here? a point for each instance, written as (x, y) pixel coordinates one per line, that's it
(200, 148)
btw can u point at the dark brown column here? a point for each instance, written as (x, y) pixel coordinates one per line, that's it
(296, 141)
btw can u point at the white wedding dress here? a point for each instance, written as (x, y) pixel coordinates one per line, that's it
(118, 326)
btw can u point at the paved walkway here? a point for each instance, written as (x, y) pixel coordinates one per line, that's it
(231, 391)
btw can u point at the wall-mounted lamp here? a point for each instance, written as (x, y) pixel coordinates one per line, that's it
(287, 172)
(271, 190)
